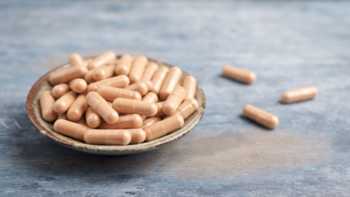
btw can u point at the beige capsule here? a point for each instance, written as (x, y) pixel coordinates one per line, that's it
(76, 60)
(65, 74)
(46, 106)
(78, 85)
(298, 95)
(111, 93)
(107, 137)
(140, 87)
(160, 112)
(124, 65)
(174, 100)
(190, 85)
(150, 69)
(103, 59)
(260, 116)
(77, 109)
(117, 82)
(59, 90)
(150, 97)
(137, 68)
(102, 72)
(88, 76)
(130, 121)
(158, 78)
(239, 74)
(150, 121)
(164, 127)
(188, 107)
(170, 82)
(92, 119)
(99, 105)
(64, 102)
(132, 106)
(70, 129)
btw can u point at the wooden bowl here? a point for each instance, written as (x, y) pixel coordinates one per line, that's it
(33, 112)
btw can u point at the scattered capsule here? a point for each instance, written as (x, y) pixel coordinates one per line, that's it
(77, 109)
(117, 82)
(174, 100)
(130, 121)
(46, 106)
(99, 105)
(70, 129)
(64, 102)
(65, 74)
(107, 137)
(76, 60)
(103, 59)
(239, 74)
(78, 85)
(92, 119)
(170, 82)
(132, 106)
(111, 93)
(141, 87)
(137, 68)
(190, 85)
(164, 127)
(260, 116)
(124, 65)
(59, 90)
(151, 68)
(188, 107)
(150, 97)
(298, 95)
(158, 78)
(102, 72)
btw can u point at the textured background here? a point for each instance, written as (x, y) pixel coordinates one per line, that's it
(287, 44)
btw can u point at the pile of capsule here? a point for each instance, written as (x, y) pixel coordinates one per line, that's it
(110, 100)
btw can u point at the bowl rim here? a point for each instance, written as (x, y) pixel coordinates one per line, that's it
(39, 123)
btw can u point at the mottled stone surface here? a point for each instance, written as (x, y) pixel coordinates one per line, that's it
(287, 44)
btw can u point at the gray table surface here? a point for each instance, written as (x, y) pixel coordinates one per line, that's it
(287, 43)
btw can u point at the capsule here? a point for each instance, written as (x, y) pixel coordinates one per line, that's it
(99, 105)
(137, 68)
(140, 87)
(174, 100)
(124, 65)
(190, 85)
(70, 129)
(131, 106)
(150, 121)
(92, 119)
(102, 72)
(64, 102)
(117, 82)
(46, 106)
(188, 107)
(298, 95)
(76, 60)
(77, 109)
(170, 82)
(158, 78)
(151, 68)
(78, 85)
(151, 97)
(260, 116)
(59, 90)
(103, 59)
(111, 93)
(130, 121)
(107, 137)
(65, 74)
(239, 74)
(160, 112)
(164, 127)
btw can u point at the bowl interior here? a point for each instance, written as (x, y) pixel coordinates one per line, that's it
(33, 112)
